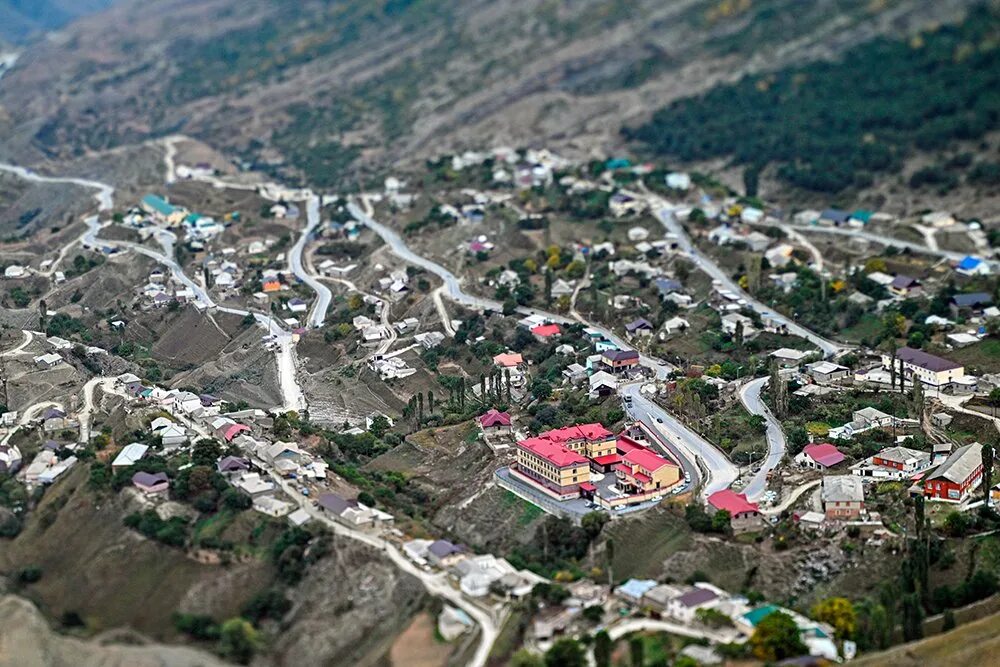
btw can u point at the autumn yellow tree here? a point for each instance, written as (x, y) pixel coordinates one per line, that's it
(839, 614)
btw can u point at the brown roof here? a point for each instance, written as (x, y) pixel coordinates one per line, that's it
(926, 361)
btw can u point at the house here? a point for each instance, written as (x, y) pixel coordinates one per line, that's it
(639, 328)
(678, 180)
(834, 217)
(602, 383)
(658, 597)
(477, 573)
(562, 288)
(353, 513)
(958, 476)
(779, 256)
(230, 466)
(971, 303)
(444, 554)
(508, 360)
(14, 271)
(271, 506)
(430, 339)
(620, 360)
(843, 497)
(160, 208)
(495, 422)
(642, 471)
(151, 483)
(827, 372)
(899, 462)
(819, 457)
(574, 373)
(545, 331)
(733, 321)
(47, 361)
(130, 455)
(667, 286)
(673, 325)
(252, 484)
(685, 606)
(904, 286)
(972, 266)
(788, 358)
(929, 369)
(633, 590)
(744, 516)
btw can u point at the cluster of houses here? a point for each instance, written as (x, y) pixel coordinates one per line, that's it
(477, 575)
(588, 461)
(162, 289)
(690, 604)
(155, 210)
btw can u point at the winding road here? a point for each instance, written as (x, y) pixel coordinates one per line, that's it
(664, 212)
(750, 397)
(317, 315)
(689, 448)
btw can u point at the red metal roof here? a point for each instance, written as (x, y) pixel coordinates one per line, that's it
(587, 486)
(546, 330)
(579, 432)
(494, 417)
(626, 444)
(732, 502)
(645, 479)
(824, 454)
(552, 452)
(607, 460)
(647, 459)
(508, 359)
(233, 430)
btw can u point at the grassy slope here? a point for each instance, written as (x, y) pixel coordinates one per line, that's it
(971, 645)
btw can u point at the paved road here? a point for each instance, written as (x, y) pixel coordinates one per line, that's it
(665, 214)
(323, 295)
(628, 626)
(751, 399)
(684, 444)
(882, 240)
(104, 196)
(14, 351)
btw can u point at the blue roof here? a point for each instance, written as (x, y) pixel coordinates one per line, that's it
(636, 588)
(158, 204)
(617, 163)
(760, 613)
(969, 262)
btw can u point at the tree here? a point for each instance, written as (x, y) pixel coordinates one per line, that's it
(238, 640)
(637, 651)
(593, 522)
(525, 658)
(566, 652)
(839, 613)
(206, 452)
(609, 552)
(602, 649)
(777, 638)
(994, 400)
(548, 287)
(913, 617)
(721, 521)
(380, 425)
(420, 408)
(430, 402)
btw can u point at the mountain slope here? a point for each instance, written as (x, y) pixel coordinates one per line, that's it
(327, 91)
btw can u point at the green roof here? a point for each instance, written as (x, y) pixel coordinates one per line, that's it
(158, 204)
(760, 613)
(862, 215)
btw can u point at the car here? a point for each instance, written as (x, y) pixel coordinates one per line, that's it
(659, 420)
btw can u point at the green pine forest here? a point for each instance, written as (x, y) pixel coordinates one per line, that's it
(832, 125)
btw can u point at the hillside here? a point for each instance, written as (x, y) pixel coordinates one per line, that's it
(20, 19)
(329, 91)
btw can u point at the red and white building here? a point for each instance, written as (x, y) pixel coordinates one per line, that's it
(819, 457)
(494, 422)
(959, 475)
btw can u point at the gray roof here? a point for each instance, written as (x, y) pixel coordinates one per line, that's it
(902, 454)
(843, 488)
(926, 361)
(960, 464)
(442, 548)
(696, 596)
(333, 503)
(149, 479)
(972, 299)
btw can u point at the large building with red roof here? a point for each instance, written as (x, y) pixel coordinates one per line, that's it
(561, 460)
(819, 456)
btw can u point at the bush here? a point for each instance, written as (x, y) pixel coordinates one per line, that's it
(29, 575)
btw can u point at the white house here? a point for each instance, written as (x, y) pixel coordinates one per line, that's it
(130, 455)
